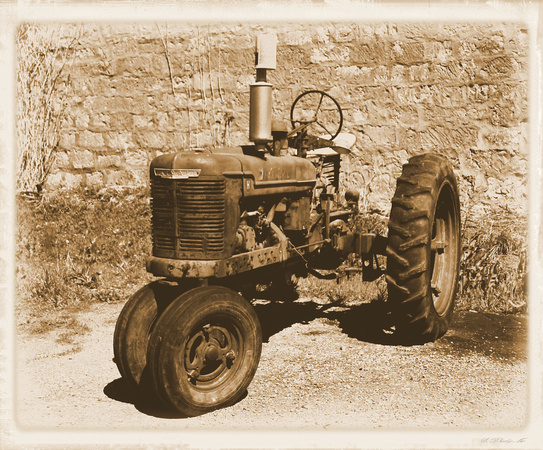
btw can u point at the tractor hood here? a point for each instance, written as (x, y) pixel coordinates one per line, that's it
(262, 175)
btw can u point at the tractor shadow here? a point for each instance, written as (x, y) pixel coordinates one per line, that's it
(368, 322)
(144, 400)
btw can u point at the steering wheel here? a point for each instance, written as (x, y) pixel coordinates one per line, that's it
(318, 113)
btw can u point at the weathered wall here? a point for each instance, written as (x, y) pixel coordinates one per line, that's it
(405, 89)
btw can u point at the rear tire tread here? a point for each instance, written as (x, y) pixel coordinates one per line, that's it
(414, 205)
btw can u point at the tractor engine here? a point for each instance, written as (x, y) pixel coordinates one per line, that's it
(213, 204)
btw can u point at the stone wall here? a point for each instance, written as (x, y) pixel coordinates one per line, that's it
(460, 90)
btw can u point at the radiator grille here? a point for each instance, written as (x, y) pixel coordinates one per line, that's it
(188, 217)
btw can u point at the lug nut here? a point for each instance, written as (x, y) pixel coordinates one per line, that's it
(193, 375)
(230, 357)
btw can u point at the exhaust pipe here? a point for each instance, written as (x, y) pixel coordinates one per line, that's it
(260, 108)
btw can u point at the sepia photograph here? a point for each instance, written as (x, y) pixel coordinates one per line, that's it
(271, 225)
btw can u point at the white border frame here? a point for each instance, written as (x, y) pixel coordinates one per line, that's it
(266, 12)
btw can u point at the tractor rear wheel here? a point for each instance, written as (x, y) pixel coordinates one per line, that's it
(423, 250)
(133, 327)
(204, 350)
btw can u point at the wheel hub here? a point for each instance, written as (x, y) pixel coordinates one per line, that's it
(209, 354)
(212, 353)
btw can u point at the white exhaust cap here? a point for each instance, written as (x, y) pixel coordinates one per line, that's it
(266, 51)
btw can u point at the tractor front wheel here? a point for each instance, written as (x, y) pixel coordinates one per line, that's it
(134, 325)
(204, 350)
(423, 250)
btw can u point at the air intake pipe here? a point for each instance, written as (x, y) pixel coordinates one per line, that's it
(260, 109)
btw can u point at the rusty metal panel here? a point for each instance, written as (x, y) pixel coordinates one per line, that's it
(177, 268)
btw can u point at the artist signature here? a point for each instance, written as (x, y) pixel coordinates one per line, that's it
(499, 440)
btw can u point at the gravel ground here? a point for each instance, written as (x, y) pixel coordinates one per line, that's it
(321, 369)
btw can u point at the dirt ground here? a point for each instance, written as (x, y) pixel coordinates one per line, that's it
(321, 369)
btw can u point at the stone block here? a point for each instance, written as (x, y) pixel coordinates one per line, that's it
(343, 33)
(82, 159)
(408, 52)
(128, 177)
(162, 121)
(296, 38)
(63, 180)
(518, 43)
(381, 136)
(94, 180)
(95, 103)
(504, 115)
(490, 45)
(205, 81)
(320, 35)
(374, 51)
(143, 122)
(443, 138)
(177, 140)
(411, 30)
(439, 51)
(142, 65)
(330, 54)
(89, 140)
(454, 72)
(62, 160)
(240, 58)
(81, 118)
(355, 74)
(504, 138)
(119, 141)
(120, 104)
(398, 74)
(150, 140)
(407, 116)
(481, 93)
(137, 158)
(67, 141)
(499, 68)
(108, 161)
(142, 104)
(99, 122)
(121, 121)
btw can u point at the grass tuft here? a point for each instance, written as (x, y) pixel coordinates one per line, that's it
(493, 267)
(80, 247)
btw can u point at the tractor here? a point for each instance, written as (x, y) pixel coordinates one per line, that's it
(225, 220)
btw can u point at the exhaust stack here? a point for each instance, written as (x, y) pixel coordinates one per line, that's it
(260, 108)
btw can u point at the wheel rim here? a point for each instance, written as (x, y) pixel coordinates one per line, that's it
(443, 251)
(212, 354)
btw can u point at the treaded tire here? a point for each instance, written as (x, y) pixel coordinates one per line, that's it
(134, 325)
(423, 251)
(204, 350)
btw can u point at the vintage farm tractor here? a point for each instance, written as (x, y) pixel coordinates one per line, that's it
(226, 220)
